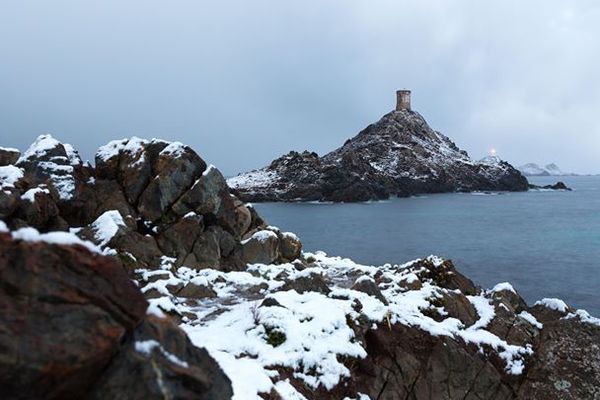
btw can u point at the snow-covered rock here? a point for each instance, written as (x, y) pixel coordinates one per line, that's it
(280, 323)
(336, 344)
(532, 169)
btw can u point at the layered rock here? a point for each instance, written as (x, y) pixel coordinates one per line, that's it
(400, 155)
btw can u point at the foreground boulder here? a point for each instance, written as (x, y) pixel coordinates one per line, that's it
(399, 155)
(73, 325)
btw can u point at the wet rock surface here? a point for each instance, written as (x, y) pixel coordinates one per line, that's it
(400, 155)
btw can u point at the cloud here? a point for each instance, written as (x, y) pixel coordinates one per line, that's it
(243, 82)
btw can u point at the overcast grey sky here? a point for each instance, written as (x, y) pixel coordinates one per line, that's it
(243, 82)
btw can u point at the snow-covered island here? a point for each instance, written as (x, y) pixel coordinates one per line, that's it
(399, 155)
(532, 169)
(143, 276)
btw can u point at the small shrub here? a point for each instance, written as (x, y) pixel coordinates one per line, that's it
(274, 336)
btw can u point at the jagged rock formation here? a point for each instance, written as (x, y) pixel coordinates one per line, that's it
(73, 324)
(398, 155)
(267, 320)
(144, 198)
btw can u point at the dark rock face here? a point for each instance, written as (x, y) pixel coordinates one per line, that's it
(8, 156)
(160, 362)
(65, 313)
(398, 155)
(556, 186)
(404, 364)
(75, 326)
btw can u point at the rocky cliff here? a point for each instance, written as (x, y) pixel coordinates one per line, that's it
(224, 305)
(398, 155)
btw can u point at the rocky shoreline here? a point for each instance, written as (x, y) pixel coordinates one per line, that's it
(145, 277)
(400, 155)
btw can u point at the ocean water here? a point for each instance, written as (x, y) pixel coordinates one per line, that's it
(546, 243)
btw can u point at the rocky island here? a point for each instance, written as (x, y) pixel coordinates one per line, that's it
(399, 155)
(144, 277)
(533, 169)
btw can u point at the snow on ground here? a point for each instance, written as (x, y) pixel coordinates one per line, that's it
(308, 333)
(255, 327)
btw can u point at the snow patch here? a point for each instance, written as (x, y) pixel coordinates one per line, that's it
(583, 316)
(106, 226)
(147, 346)
(111, 149)
(553, 304)
(531, 319)
(174, 149)
(9, 175)
(40, 146)
(61, 238)
(503, 286)
(30, 194)
(261, 236)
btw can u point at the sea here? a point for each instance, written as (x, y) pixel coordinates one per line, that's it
(545, 243)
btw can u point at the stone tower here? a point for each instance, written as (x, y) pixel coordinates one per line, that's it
(402, 100)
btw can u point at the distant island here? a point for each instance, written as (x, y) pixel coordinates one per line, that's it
(399, 155)
(533, 169)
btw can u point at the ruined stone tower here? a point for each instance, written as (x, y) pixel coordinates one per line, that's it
(402, 100)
